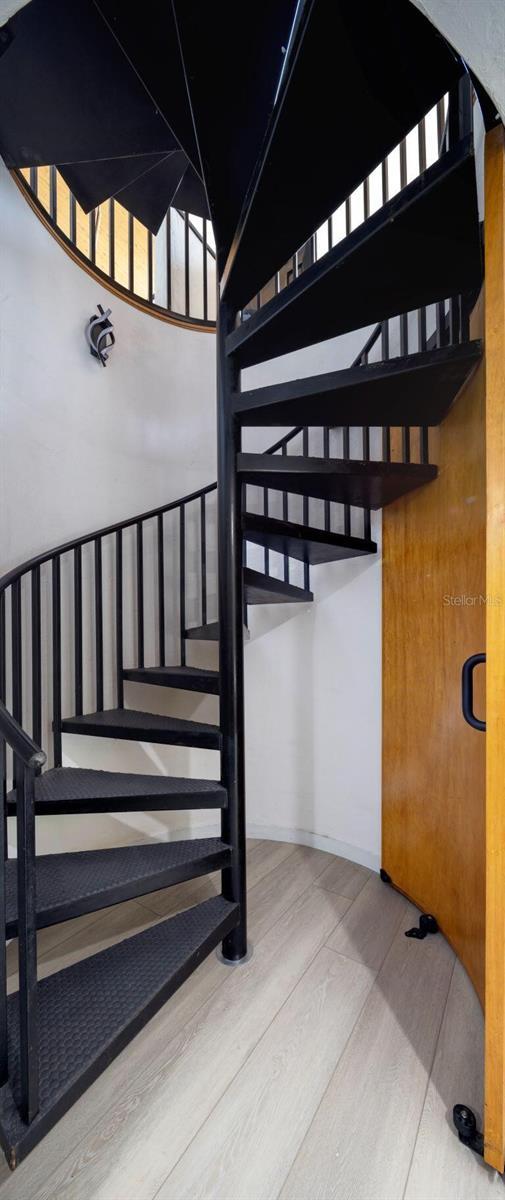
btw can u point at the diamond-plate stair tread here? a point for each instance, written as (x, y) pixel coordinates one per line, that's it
(191, 679)
(303, 542)
(73, 789)
(131, 724)
(89, 1011)
(71, 884)
(265, 589)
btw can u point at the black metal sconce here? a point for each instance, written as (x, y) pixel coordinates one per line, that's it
(99, 335)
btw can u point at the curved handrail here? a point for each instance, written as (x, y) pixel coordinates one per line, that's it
(69, 242)
(19, 741)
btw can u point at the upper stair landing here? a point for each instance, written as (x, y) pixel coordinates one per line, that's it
(422, 246)
(359, 77)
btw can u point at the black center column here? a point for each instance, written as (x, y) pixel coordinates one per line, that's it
(231, 637)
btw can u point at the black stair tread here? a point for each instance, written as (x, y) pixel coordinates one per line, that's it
(204, 633)
(141, 726)
(207, 633)
(429, 237)
(392, 67)
(76, 790)
(415, 389)
(303, 542)
(89, 1011)
(192, 679)
(71, 884)
(364, 484)
(265, 589)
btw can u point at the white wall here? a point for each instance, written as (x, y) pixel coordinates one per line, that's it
(476, 28)
(81, 447)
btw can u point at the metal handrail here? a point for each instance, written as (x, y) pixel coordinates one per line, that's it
(19, 740)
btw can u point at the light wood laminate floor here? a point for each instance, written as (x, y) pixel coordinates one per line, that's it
(324, 1067)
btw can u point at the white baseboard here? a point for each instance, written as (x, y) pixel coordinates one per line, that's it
(302, 837)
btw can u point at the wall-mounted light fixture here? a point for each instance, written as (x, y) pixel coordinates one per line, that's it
(99, 335)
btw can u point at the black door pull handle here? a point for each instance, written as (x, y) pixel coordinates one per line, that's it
(467, 691)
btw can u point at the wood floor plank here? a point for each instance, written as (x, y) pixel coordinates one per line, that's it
(274, 894)
(267, 858)
(249, 1142)
(133, 1148)
(370, 925)
(169, 901)
(441, 1167)
(346, 878)
(361, 1141)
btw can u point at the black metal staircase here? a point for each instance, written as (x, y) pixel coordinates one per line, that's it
(421, 248)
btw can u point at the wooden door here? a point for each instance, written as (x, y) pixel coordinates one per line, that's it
(444, 599)
(494, 1113)
(434, 615)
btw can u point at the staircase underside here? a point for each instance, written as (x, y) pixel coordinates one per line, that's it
(204, 633)
(74, 790)
(69, 885)
(364, 484)
(90, 1011)
(417, 389)
(190, 679)
(307, 544)
(422, 246)
(265, 589)
(131, 725)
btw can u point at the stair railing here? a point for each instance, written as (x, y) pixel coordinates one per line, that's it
(73, 617)
(172, 275)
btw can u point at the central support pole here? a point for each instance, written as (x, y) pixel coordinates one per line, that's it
(231, 636)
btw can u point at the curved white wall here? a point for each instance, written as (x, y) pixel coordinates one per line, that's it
(81, 447)
(476, 28)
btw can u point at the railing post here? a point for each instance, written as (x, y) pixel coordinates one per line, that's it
(231, 608)
(27, 936)
(4, 1066)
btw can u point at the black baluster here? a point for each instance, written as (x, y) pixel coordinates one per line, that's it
(4, 1065)
(305, 452)
(78, 630)
(186, 265)
(36, 659)
(285, 517)
(203, 556)
(119, 618)
(3, 681)
(27, 943)
(72, 218)
(266, 553)
(53, 194)
(112, 240)
(161, 590)
(182, 583)
(326, 454)
(205, 271)
(346, 453)
(92, 235)
(99, 624)
(56, 609)
(140, 594)
(150, 267)
(169, 258)
(131, 254)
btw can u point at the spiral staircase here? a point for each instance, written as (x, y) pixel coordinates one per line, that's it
(198, 108)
